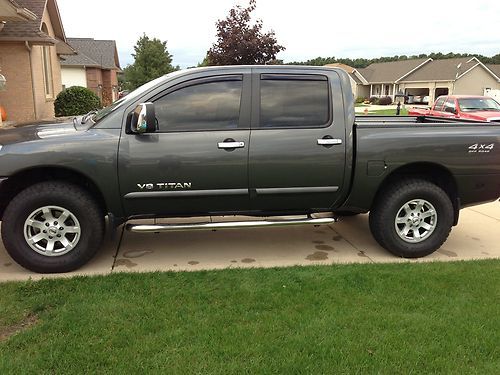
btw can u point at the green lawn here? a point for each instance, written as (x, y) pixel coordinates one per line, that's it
(385, 112)
(391, 319)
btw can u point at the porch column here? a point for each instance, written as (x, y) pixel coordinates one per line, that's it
(371, 91)
(393, 92)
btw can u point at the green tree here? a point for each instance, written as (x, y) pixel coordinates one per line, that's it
(151, 60)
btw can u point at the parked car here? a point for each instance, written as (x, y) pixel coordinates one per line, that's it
(465, 107)
(260, 141)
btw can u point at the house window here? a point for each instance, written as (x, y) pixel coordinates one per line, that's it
(47, 68)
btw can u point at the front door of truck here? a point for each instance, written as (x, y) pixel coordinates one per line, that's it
(297, 146)
(197, 161)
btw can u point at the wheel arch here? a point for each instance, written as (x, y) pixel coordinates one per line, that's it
(432, 172)
(27, 177)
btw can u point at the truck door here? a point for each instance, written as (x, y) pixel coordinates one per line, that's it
(197, 161)
(297, 143)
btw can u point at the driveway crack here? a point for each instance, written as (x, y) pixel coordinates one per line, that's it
(361, 253)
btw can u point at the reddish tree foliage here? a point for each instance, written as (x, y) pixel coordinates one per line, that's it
(241, 43)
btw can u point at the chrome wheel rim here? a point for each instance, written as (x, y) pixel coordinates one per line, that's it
(416, 221)
(52, 231)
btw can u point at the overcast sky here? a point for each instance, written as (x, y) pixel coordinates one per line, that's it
(307, 29)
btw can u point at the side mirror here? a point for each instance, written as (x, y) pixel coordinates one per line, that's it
(143, 119)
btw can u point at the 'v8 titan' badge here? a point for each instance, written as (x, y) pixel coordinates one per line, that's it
(165, 186)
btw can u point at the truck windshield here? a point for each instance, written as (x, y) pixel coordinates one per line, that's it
(129, 98)
(478, 104)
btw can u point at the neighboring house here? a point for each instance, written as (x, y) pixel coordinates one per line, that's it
(357, 80)
(31, 38)
(426, 77)
(95, 66)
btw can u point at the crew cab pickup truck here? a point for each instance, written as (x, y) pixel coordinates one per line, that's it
(475, 108)
(260, 141)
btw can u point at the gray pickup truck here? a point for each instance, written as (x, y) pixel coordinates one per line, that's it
(261, 141)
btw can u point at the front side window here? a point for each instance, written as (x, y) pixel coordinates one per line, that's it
(294, 102)
(204, 106)
(478, 104)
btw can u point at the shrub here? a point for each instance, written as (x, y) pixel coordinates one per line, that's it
(75, 101)
(386, 100)
(373, 100)
(360, 100)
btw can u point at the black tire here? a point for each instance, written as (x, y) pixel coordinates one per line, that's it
(68, 196)
(384, 213)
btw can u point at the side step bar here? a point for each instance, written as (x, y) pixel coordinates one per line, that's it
(138, 228)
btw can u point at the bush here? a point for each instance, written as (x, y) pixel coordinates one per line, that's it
(360, 100)
(373, 100)
(75, 101)
(386, 100)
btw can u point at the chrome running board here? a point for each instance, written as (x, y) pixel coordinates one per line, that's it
(140, 228)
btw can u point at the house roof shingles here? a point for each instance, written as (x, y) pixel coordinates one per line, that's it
(27, 30)
(92, 53)
(495, 68)
(389, 71)
(349, 69)
(442, 70)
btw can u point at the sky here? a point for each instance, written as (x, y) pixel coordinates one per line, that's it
(307, 29)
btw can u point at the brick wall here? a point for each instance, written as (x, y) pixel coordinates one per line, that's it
(94, 80)
(17, 99)
(25, 98)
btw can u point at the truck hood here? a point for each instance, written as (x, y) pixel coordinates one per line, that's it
(42, 130)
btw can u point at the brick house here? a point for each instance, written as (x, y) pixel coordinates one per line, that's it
(30, 46)
(94, 66)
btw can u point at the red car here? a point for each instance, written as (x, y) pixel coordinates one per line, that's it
(466, 107)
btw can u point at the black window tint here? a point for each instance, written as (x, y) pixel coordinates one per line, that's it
(293, 103)
(206, 106)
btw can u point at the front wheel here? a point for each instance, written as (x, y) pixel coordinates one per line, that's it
(412, 218)
(52, 227)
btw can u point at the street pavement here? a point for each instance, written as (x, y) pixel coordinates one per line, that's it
(348, 241)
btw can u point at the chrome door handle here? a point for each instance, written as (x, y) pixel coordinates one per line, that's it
(228, 145)
(329, 141)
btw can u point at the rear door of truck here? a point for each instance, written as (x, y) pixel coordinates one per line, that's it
(297, 141)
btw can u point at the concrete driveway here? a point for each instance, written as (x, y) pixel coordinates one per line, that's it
(349, 241)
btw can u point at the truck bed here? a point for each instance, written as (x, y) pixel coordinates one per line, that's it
(465, 150)
(383, 120)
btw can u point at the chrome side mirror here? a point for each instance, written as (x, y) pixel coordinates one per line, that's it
(143, 119)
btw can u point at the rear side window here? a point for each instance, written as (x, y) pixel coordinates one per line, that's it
(204, 106)
(294, 101)
(438, 106)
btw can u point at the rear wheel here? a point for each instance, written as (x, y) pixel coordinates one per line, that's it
(412, 219)
(52, 227)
